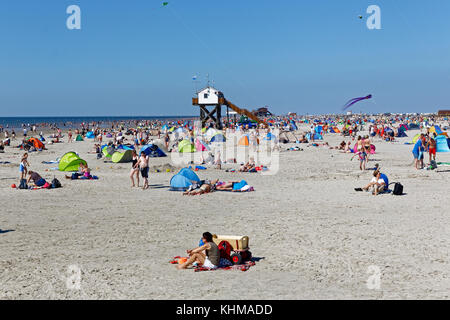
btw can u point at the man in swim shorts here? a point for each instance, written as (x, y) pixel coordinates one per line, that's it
(432, 149)
(143, 167)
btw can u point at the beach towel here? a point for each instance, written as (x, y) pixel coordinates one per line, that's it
(223, 266)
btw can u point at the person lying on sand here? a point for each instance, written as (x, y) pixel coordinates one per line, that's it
(205, 186)
(234, 186)
(207, 255)
(319, 144)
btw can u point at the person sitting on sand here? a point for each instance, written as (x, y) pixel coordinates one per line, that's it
(348, 148)
(37, 179)
(207, 255)
(250, 165)
(377, 183)
(82, 170)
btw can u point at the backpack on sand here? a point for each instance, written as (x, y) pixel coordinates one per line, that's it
(398, 189)
(55, 183)
(23, 184)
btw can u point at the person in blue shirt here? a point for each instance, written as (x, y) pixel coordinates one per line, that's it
(418, 150)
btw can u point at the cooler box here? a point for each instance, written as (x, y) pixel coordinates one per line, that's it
(237, 242)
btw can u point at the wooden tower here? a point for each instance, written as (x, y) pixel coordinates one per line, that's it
(210, 101)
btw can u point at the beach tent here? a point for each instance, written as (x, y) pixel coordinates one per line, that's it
(181, 130)
(401, 133)
(90, 135)
(416, 137)
(79, 138)
(372, 148)
(316, 136)
(210, 132)
(436, 130)
(334, 130)
(108, 151)
(36, 143)
(442, 144)
(319, 129)
(183, 179)
(201, 146)
(122, 157)
(245, 141)
(218, 137)
(70, 162)
(270, 136)
(186, 146)
(153, 151)
(123, 147)
(404, 127)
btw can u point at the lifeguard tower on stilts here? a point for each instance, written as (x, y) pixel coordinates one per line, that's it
(211, 100)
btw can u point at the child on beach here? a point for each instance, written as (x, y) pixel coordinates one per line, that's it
(362, 159)
(23, 166)
(143, 166)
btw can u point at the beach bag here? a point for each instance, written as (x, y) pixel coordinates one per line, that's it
(398, 189)
(433, 165)
(56, 183)
(23, 184)
(225, 250)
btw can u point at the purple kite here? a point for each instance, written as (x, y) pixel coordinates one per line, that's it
(355, 100)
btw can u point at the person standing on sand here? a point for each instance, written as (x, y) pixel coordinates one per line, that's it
(23, 166)
(431, 146)
(70, 136)
(143, 167)
(134, 169)
(367, 145)
(418, 152)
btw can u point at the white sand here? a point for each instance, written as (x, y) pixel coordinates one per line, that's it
(317, 235)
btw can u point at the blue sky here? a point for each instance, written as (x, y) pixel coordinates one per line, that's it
(137, 58)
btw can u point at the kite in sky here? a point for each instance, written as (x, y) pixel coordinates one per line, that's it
(355, 100)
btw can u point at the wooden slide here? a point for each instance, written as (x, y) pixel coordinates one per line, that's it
(244, 112)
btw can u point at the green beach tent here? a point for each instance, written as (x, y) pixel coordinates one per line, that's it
(122, 157)
(186, 146)
(79, 138)
(108, 151)
(70, 162)
(416, 137)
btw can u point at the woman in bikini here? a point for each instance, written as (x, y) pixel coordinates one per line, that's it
(134, 169)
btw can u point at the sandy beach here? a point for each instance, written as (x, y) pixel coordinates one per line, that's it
(316, 236)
